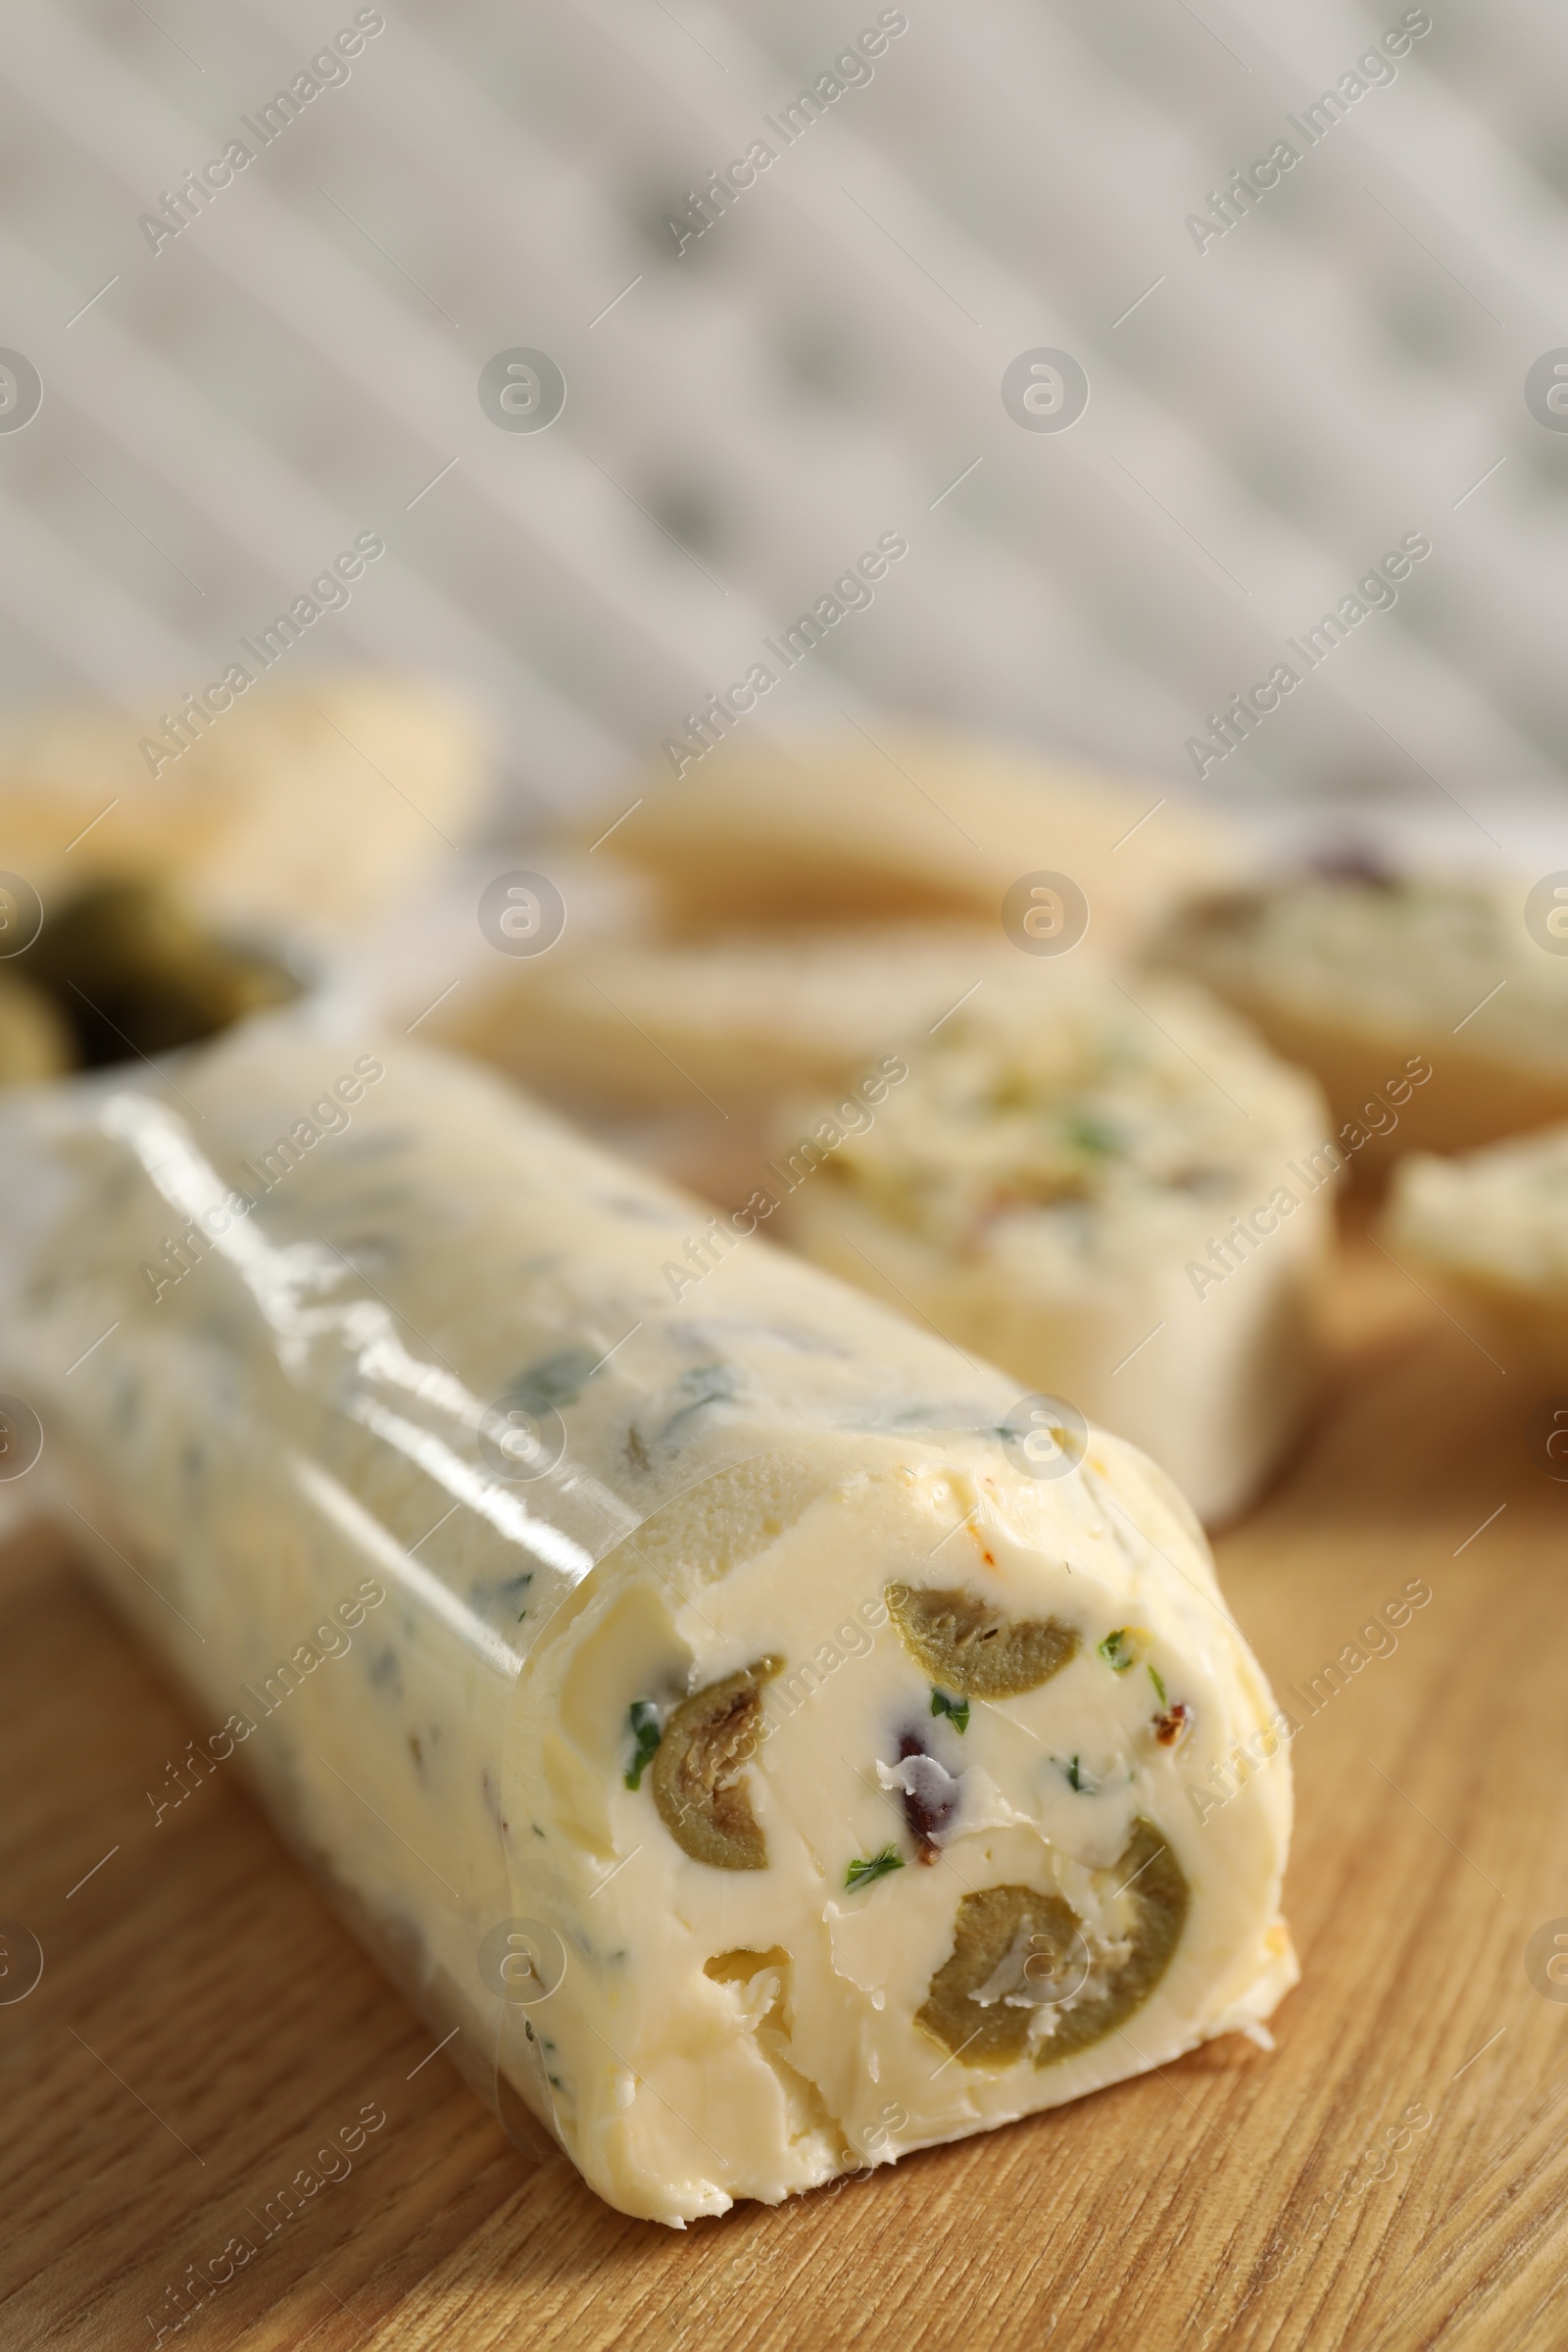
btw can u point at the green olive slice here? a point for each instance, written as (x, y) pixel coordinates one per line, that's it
(703, 1801)
(136, 972)
(992, 1924)
(113, 931)
(967, 1644)
(988, 1926)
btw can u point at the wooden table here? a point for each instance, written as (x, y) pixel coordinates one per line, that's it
(202, 2023)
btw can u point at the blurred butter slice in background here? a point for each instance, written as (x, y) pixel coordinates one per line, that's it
(915, 823)
(658, 1024)
(803, 906)
(1490, 1229)
(1432, 1008)
(1126, 1205)
(678, 1051)
(313, 809)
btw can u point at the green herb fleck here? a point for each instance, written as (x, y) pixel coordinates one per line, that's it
(1076, 1778)
(700, 1385)
(1093, 1135)
(556, 1379)
(1158, 1684)
(870, 1868)
(1117, 1649)
(643, 1717)
(956, 1709)
(502, 1596)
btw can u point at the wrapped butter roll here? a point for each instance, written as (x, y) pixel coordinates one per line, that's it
(772, 1742)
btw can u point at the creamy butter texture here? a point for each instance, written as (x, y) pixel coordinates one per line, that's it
(1491, 1228)
(758, 1761)
(1058, 1186)
(1362, 977)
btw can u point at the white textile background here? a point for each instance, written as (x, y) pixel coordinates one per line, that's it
(1270, 409)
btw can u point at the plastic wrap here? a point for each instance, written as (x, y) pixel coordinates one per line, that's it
(405, 1422)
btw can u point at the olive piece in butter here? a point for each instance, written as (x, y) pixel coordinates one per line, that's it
(135, 973)
(703, 1801)
(112, 932)
(967, 1644)
(159, 1010)
(991, 1927)
(1011, 1983)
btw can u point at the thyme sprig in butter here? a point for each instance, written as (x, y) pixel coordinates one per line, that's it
(866, 1871)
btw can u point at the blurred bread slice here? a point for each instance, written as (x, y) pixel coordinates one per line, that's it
(316, 804)
(1365, 979)
(737, 1020)
(1490, 1229)
(679, 1051)
(916, 823)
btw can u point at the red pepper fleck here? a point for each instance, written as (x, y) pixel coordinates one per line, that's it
(989, 1558)
(1174, 1724)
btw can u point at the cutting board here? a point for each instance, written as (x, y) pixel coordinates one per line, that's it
(1390, 2176)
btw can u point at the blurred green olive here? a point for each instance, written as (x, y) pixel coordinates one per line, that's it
(135, 972)
(109, 933)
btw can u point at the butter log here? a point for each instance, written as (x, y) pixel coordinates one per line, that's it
(771, 1743)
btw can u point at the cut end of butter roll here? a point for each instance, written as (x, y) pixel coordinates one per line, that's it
(942, 1841)
(768, 1758)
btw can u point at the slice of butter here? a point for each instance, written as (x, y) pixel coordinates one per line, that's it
(1122, 1198)
(1491, 1229)
(1425, 1004)
(695, 1694)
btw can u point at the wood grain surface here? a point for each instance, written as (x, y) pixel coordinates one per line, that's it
(203, 2027)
